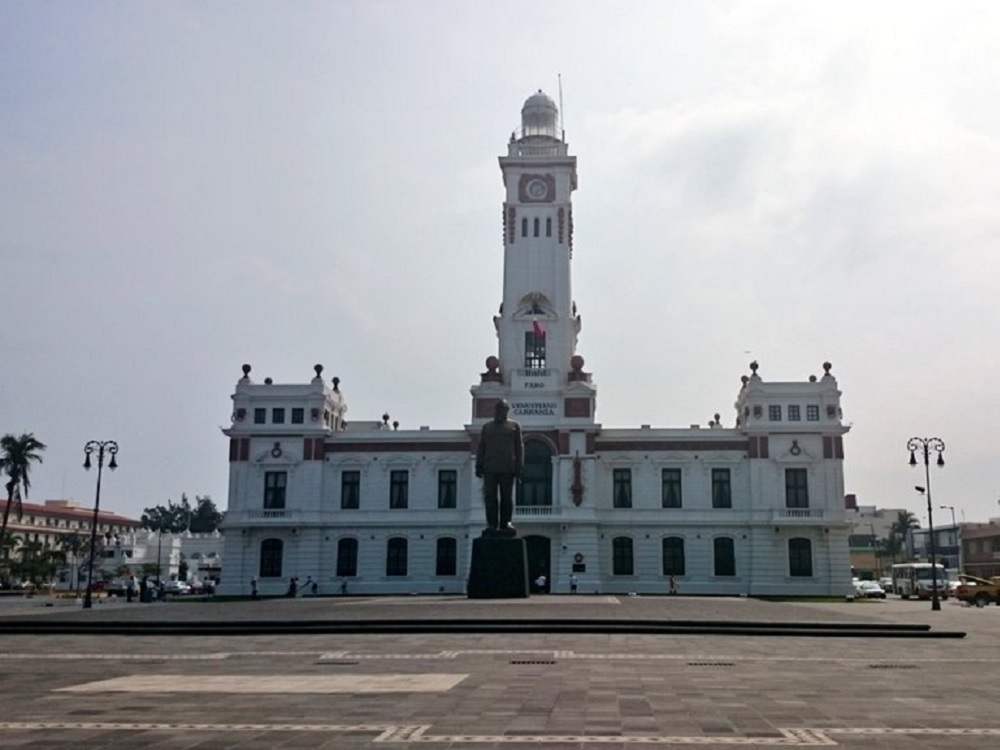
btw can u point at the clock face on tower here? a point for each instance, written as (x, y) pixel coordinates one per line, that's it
(536, 188)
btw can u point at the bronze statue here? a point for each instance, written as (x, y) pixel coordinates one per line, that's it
(499, 460)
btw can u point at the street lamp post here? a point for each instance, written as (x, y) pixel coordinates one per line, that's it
(926, 445)
(111, 448)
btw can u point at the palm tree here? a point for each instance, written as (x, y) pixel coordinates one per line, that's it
(905, 523)
(16, 457)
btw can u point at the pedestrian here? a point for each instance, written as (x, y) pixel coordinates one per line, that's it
(253, 587)
(540, 583)
(309, 585)
(144, 590)
(673, 585)
(343, 587)
(572, 583)
(129, 589)
(293, 587)
(314, 588)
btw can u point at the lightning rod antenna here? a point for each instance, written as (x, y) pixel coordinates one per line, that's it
(562, 125)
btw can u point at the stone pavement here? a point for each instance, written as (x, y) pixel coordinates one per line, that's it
(553, 691)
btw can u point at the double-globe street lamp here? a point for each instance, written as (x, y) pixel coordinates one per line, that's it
(926, 445)
(102, 447)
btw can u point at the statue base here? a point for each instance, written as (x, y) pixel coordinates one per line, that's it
(499, 568)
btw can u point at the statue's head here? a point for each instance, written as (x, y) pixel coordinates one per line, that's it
(500, 411)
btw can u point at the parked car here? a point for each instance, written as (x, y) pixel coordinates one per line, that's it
(978, 591)
(869, 590)
(886, 583)
(176, 587)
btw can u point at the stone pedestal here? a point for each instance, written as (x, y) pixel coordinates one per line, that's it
(499, 568)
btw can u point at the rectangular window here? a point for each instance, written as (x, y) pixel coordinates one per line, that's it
(548, 227)
(725, 556)
(673, 556)
(395, 557)
(298, 415)
(447, 489)
(722, 496)
(812, 413)
(794, 413)
(259, 416)
(796, 488)
(278, 415)
(270, 558)
(399, 489)
(447, 557)
(622, 497)
(524, 227)
(670, 488)
(534, 351)
(350, 490)
(774, 413)
(347, 558)
(274, 489)
(621, 556)
(800, 558)
(536, 226)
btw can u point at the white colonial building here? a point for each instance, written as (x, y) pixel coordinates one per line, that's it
(757, 509)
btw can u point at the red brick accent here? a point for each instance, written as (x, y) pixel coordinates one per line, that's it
(576, 407)
(485, 407)
(564, 443)
(672, 445)
(307, 449)
(407, 446)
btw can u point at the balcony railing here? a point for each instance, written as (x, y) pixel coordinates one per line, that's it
(799, 514)
(535, 511)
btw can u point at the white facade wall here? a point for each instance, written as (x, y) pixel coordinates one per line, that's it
(780, 427)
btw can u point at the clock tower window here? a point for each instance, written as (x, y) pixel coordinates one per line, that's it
(537, 224)
(548, 226)
(534, 351)
(524, 227)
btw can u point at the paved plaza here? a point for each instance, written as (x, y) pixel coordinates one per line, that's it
(503, 690)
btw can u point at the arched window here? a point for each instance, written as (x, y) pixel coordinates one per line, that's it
(447, 556)
(673, 556)
(548, 226)
(725, 556)
(395, 556)
(524, 227)
(347, 557)
(800, 558)
(621, 556)
(536, 226)
(536, 476)
(271, 551)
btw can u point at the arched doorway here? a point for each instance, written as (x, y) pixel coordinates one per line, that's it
(536, 478)
(539, 562)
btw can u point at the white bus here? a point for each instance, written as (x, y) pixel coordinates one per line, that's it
(917, 579)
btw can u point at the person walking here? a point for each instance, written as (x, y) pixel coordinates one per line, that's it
(572, 583)
(253, 587)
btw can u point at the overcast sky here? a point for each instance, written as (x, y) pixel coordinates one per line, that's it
(188, 186)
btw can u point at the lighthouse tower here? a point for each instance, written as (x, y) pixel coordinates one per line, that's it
(537, 368)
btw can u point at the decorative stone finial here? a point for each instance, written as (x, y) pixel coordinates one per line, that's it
(576, 362)
(336, 384)
(754, 366)
(385, 418)
(812, 378)
(492, 363)
(395, 424)
(717, 419)
(246, 372)
(744, 379)
(826, 367)
(319, 370)
(268, 381)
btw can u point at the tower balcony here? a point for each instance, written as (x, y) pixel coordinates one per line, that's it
(536, 512)
(800, 516)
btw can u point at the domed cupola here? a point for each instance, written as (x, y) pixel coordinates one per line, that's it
(540, 117)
